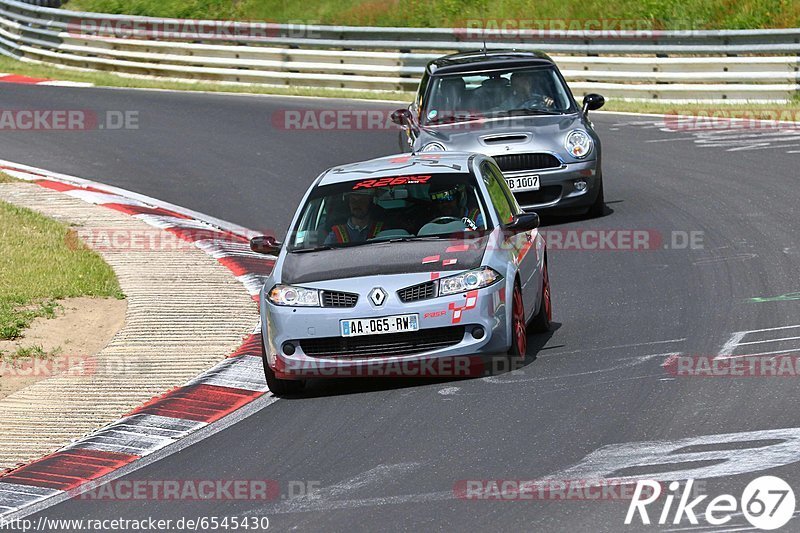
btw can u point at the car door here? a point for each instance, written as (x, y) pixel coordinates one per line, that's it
(520, 243)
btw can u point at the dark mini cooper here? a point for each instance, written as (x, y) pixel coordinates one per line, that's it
(517, 108)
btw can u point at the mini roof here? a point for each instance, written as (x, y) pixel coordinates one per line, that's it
(488, 60)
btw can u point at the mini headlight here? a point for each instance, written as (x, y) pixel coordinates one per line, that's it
(578, 144)
(467, 281)
(294, 296)
(433, 147)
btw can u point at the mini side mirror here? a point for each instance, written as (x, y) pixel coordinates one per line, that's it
(592, 102)
(401, 117)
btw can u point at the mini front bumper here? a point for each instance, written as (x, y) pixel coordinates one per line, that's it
(557, 187)
(484, 309)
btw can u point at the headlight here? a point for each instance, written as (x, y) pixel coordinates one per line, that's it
(294, 296)
(467, 281)
(578, 144)
(433, 147)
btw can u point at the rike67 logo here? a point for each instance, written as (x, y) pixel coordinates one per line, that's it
(767, 503)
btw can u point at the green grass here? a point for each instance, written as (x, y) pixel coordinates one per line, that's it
(5, 178)
(660, 14)
(41, 265)
(24, 353)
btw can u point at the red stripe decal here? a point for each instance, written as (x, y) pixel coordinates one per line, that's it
(524, 250)
(430, 259)
(203, 403)
(457, 248)
(16, 78)
(68, 469)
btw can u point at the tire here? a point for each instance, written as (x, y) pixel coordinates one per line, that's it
(598, 208)
(519, 329)
(278, 387)
(541, 322)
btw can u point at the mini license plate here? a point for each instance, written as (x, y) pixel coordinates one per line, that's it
(378, 326)
(523, 183)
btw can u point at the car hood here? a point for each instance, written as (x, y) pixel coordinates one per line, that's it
(384, 258)
(542, 132)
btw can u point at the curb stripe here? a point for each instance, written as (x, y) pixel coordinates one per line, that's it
(66, 470)
(203, 403)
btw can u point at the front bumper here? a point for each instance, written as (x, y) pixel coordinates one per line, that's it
(483, 309)
(557, 187)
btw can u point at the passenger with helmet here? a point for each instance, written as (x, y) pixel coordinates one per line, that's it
(360, 225)
(450, 201)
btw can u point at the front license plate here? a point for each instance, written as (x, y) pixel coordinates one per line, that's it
(378, 326)
(523, 183)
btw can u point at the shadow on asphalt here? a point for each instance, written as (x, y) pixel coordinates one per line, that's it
(495, 366)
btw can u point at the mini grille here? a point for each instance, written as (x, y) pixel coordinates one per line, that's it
(518, 162)
(422, 291)
(338, 299)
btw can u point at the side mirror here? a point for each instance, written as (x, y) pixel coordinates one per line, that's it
(401, 117)
(265, 245)
(523, 222)
(592, 102)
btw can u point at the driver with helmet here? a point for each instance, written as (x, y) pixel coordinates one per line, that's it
(450, 201)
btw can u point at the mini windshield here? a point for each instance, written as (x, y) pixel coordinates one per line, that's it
(372, 210)
(531, 91)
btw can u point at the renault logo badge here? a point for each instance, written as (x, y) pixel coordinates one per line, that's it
(377, 296)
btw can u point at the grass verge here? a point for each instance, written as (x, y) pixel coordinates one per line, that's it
(40, 265)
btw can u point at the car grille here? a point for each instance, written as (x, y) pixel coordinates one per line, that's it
(338, 299)
(517, 162)
(423, 291)
(409, 343)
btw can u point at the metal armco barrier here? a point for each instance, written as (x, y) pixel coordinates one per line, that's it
(730, 65)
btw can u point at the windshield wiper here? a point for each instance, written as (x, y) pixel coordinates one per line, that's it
(454, 118)
(314, 249)
(529, 112)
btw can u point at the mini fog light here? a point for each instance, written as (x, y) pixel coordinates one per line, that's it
(478, 333)
(288, 348)
(580, 185)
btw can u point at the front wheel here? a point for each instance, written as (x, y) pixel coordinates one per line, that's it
(278, 386)
(598, 208)
(519, 329)
(541, 322)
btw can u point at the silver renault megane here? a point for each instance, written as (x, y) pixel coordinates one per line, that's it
(402, 259)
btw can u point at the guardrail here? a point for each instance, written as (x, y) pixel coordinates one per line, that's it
(649, 65)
